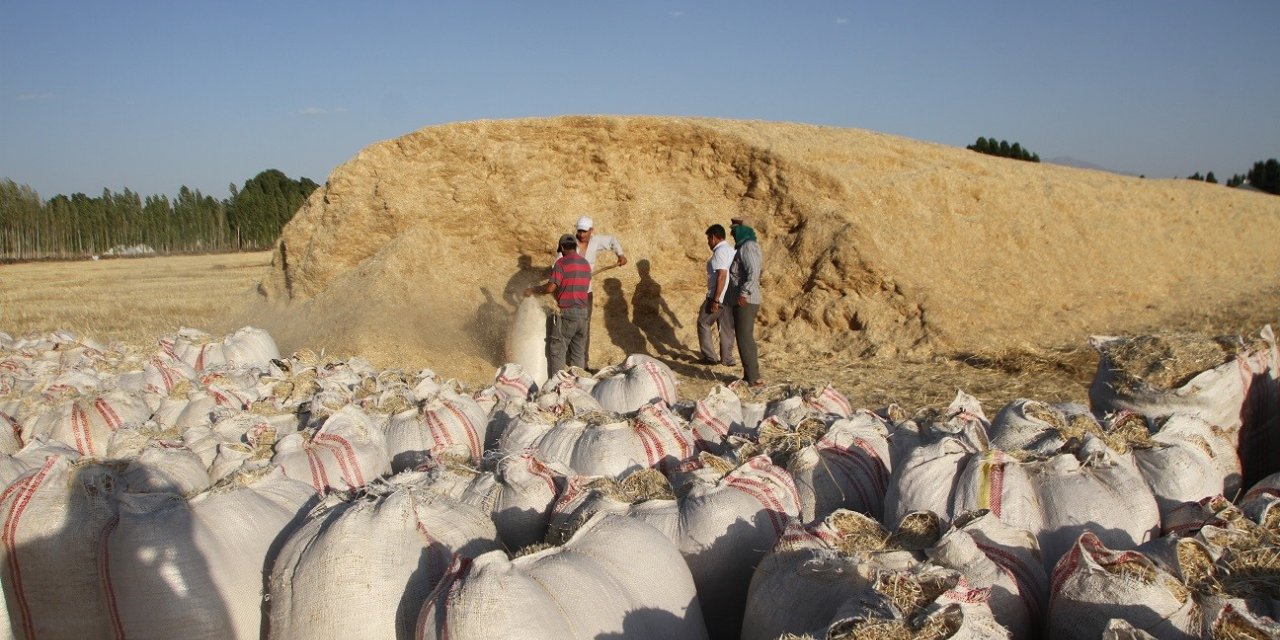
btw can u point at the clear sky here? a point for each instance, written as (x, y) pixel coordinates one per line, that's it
(152, 95)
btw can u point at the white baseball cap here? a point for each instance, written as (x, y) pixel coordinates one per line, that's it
(584, 223)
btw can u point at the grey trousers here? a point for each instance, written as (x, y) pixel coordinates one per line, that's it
(567, 339)
(744, 326)
(709, 322)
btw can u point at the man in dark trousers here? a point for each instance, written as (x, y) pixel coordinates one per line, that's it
(567, 333)
(715, 318)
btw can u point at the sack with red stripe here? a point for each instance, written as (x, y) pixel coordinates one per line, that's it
(88, 423)
(361, 566)
(196, 348)
(827, 399)
(612, 445)
(446, 424)
(193, 568)
(714, 418)
(726, 529)
(1230, 383)
(31, 457)
(511, 382)
(640, 380)
(1090, 487)
(616, 577)
(519, 495)
(53, 519)
(1093, 584)
(1005, 560)
(164, 374)
(346, 452)
(845, 467)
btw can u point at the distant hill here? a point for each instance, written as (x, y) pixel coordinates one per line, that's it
(1068, 161)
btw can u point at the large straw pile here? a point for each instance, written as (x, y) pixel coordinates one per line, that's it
(415, 250)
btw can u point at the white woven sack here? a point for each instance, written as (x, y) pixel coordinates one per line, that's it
(617, 577)
(88, 423)
(53, 519)
(847, 468)
(926, 479)
(965, 608)
(603, 444)
(346, 452)
(165, 466)
(521, 431)
(1184, 465)
(1235, 621)
(714, 418)
(196, 348)
(582, 500)
(1261, 498)
(1241, 397)
(446, 424)
(514, 381)
(1093, 584)
(163, 373)
(181, 568)
(519, 497)
(1216, 394)
(250, 347)
(804, 580)
(10, 430)
(1004, 560)
(727, 528)
(527, 339)
(362, 567)
(828, 400)
(32, 457)
(1031, 425)
(640, 380)
(1057, 499)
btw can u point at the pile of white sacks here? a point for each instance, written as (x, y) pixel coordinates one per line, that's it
(211, 488)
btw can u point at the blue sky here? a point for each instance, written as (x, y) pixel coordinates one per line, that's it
(155, 95)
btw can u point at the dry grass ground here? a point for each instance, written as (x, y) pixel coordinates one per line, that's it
(137, 300)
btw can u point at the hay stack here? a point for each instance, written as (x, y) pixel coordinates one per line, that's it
(874, 244)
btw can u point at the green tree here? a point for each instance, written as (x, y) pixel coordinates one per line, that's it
(1266, 176)
(258, 211)
(1210, 178)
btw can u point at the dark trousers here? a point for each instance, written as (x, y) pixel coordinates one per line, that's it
(744, 327)
(567, 340)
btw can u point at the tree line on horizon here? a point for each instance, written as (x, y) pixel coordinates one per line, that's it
(1003, 149)
(1264, 175)
(80, 225)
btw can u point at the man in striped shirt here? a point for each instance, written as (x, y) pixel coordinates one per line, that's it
(567, 330)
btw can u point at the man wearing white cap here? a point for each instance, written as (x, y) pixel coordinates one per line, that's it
(590, 244)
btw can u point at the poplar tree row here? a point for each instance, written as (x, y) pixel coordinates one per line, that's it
(80, 225)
